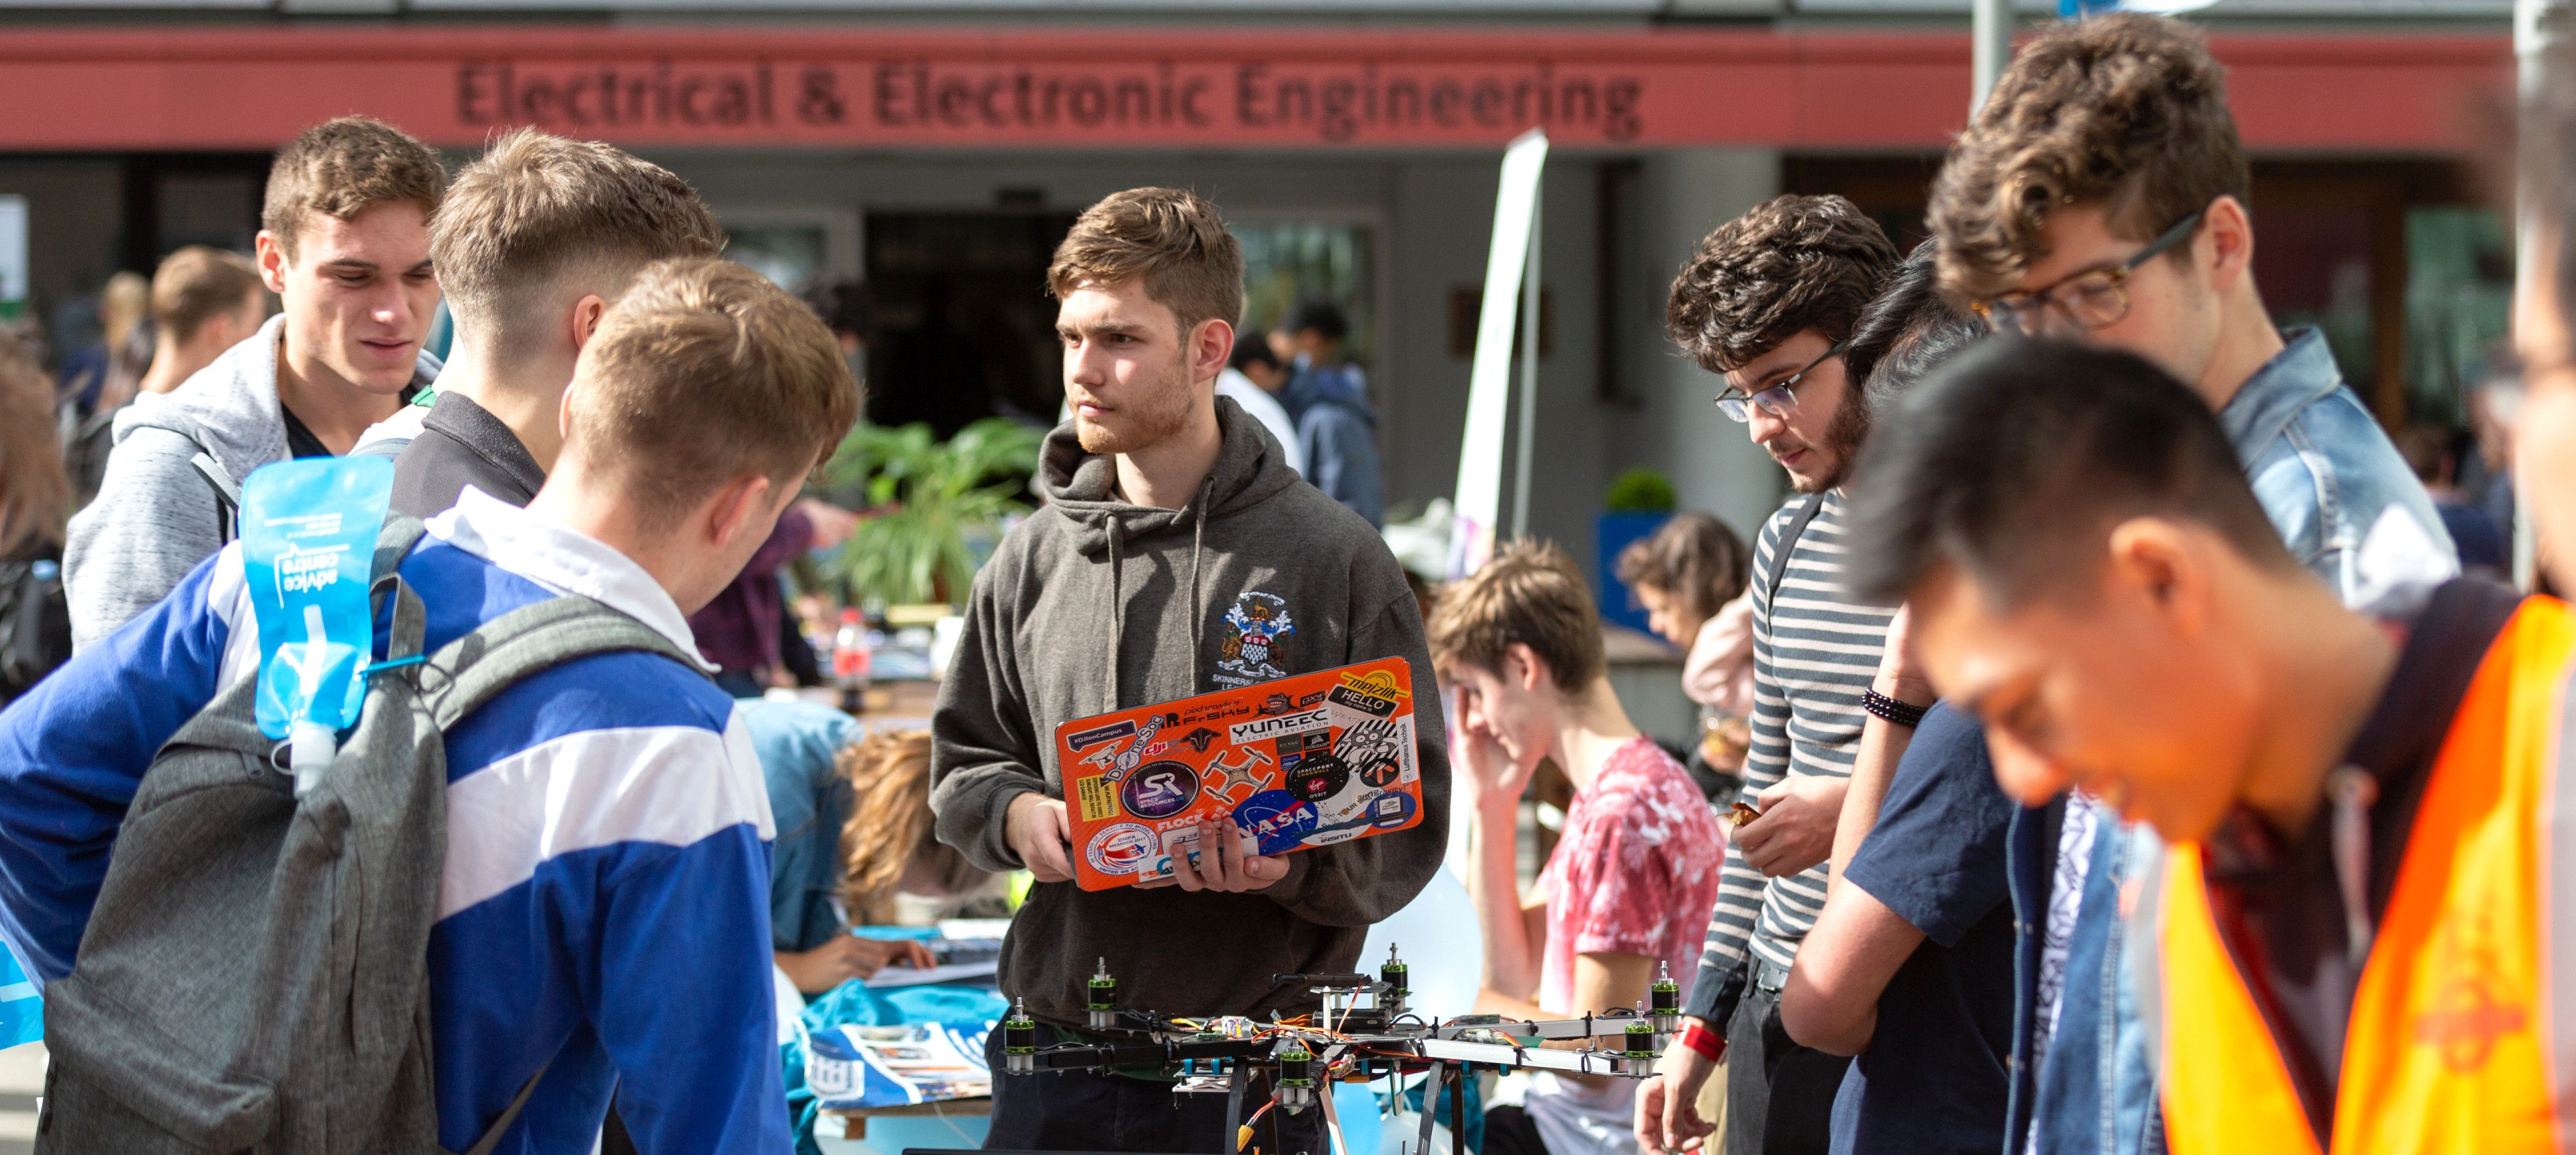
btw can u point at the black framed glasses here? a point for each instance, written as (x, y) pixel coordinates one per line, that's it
(2092, 299)
(1777, 398)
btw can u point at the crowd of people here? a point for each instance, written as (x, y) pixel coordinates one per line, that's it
(2102, 750)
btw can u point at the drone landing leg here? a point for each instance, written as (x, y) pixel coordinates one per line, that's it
(1431, 1105)
(1458, 1111)
(1234, 1108)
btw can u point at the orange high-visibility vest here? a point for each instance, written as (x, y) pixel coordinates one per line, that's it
(2454, 1044)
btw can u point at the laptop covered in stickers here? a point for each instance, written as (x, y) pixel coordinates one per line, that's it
(1298, 762)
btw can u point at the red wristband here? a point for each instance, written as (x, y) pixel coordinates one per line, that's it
(1710, 1045)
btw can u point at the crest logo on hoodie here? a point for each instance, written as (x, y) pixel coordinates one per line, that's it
(1256, 626)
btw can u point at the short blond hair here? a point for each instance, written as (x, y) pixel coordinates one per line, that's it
(1171, 238)
(198, 282)
(538, 211)
(704, 371)
(1532, 594)
(340, 168)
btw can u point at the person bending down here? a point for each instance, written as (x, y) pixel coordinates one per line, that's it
(854, 829)
(1522, 642)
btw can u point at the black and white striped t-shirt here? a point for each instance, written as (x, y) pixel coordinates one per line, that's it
(1814, 653)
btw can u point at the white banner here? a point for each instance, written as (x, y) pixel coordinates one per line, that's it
(1489, 383)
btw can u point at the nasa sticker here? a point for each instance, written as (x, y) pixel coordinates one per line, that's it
(1159, 789)
(1123, 848)
(1278, 819)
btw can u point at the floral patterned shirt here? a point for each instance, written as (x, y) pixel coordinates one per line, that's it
(1635, 871)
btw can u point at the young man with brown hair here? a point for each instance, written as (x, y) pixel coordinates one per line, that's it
(535, 240)
(344, 243)
(1172, 536)
(2101, 195)
(1768, 302)
(1521, 640)
(603, 919)
(204, 301)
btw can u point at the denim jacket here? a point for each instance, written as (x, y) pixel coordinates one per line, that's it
(2321, 466)
(2325, 474)
(809, 800)
(2095, 1091)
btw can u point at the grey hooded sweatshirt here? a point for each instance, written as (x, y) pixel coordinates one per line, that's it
(155, 516)
(1095, 604)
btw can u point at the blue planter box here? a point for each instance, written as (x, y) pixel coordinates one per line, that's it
(1611, 533)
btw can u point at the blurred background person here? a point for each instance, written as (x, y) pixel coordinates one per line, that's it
(1690, 577)
(1328, 398)
(2435, 453)
(747, 630)
(97, 382)
(102, 377)
(35, 627)
(843, 305)
(1254, 377)
(204, 300)
(2487, 475)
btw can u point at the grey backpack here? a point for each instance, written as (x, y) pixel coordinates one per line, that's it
(254, 975)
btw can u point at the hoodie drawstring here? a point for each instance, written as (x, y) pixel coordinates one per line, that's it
(1118, 609)
(1117, 617)
(1198, 554)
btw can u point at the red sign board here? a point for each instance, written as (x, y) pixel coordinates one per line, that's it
(1121, 88)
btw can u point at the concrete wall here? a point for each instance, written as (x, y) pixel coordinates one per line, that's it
(1683, 194)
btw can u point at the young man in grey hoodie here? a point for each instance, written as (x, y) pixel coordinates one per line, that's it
(344, 243)
(1173, 533)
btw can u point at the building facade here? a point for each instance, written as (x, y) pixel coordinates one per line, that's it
(936, 152)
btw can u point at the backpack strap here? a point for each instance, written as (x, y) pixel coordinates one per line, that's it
(529, 639)
(1787, 542)
(411, 619)
(394, 542)
(227, 495)
(510, 1114)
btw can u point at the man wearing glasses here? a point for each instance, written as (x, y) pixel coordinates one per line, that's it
(1767, 303)
(2101, 195)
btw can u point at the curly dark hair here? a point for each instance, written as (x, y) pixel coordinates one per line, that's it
(1791, 264)
(2124, 110)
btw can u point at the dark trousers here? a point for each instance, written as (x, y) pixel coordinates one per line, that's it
(1097, 1111)
(1510, 1131)
(1779, 1095)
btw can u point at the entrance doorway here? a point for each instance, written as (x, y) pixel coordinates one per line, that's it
(963, 326)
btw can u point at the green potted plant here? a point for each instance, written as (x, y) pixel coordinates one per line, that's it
(1637, 503)
(935, 508)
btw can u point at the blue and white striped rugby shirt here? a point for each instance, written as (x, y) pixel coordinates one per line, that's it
(605, 902)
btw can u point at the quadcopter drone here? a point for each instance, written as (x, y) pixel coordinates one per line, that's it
(1350, 1042)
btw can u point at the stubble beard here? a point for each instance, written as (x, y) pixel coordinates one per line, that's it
(1843, 436)
(1163, 413)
